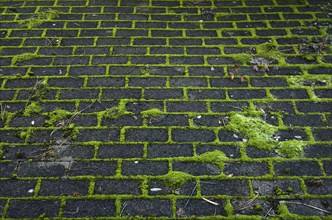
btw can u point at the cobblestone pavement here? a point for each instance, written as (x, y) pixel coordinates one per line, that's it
(165, 109)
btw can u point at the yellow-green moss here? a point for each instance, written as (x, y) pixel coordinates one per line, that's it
(292, 148)
(32, 108)
(26, 134)
(1, 154)
(23, 57)
(242, 58)
(154, 113)
(40, 18)
(307, 80)
(114, 112)
(176, 179)
(268, 51)
(56, 116)
(256, 130)
(216, 157)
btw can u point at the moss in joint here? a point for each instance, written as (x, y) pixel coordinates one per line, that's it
(176, 179)
(115, 112)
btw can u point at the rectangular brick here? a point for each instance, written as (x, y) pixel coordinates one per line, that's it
(121, 151)
(105, 135)
(115, 186)
(162, 94)
(186, 107)
(147, 135)
(93, 168)
(101, 208)
(16, 188)
(170, 150)
(130, 168)
(49, 208)
(193, 135)
(121, 93)
(64, 187)
(225, 187)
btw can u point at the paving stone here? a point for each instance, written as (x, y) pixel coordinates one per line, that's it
(198, 207)
(269, 187)
(147, 207)
(297, 207)
(225, 187)
(95, 208)
(318, 186)
(300, 168)
(246, 169)
(22, 208)
(92, 168)
(196, 169)
(63, 187)
(17, 188)
(121, 151)
(114, 186)
(144, 168)
(170, 150)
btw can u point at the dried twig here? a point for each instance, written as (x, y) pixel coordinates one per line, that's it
(124, 206)
(247, 204)
(307, 205)
(191, 194)
(209, 201)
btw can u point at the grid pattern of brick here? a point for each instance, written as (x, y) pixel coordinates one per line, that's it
(76, 88)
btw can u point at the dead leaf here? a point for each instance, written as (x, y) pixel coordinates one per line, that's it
(237, 68)
(231, 75)
(255, 67)
(244, 78)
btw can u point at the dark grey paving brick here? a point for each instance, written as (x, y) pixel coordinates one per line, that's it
(246, 168)
(154, 168)
(198, 207)
(146, 135)
(22, 208)
(115, 186)
(42, 169)
(225, 187)
(121, 151)
(322, 134)
(196, 169)
(92, 168)
(269, 187)
(93, 208)
(298, 168)
(17, 188)
(297, 207)
(186, 107)
(98, 135)
(147, 207)
(318, 186)
(64, 187)
(193, 135)
(168, 120)
(170, 150)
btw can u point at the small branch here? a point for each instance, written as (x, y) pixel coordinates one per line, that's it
(307, 205)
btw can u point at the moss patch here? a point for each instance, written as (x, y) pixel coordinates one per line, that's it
(153, 113)
(256, 130)
(114, 112)
(40, 18)
(176, 179)
(216, 157)
(56, 116)
(32, 108)
(291, 148)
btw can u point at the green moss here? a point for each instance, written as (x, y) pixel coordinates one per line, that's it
(153, 113)
(308, 80)
(242, 58)
(216, 157)
(115, 112)
(23, 57)
(283, 212)
(268, 51)
(257, 208)
(176, 179)
(40, 90)
(26, 134)
(1, 153)
(292, 148)
(32, 108)
(145, 70)
(256, 130)
(40, 18)
(56, 116)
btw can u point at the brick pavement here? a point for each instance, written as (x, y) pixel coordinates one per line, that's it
(164, 108)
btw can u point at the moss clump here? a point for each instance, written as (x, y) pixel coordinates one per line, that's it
(153, 113)
(176, 179)
(268, 51)
(292, 148)
(242, 58)
(23, 57)
(56, 116)
(25, 134)
(40, 18)
(115, 112)
(256, 130)
(40, 90)
(283, 212)
(257, 208)
(32, 108)
(216, 157)
(308, 80)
